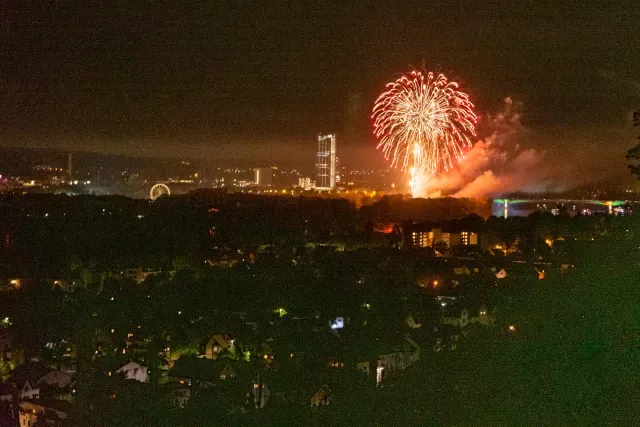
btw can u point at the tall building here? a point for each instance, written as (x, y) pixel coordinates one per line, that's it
(326, 162)
(70, 167)
(424, 236)
(263, 177)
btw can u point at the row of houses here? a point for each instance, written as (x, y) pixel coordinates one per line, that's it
(14, 280)
(34, 392)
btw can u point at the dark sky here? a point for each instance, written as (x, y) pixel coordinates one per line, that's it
(229, 79)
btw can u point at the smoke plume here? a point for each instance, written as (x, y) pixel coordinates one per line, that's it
(496, 164)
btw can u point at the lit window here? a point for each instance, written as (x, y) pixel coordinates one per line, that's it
(465, 238)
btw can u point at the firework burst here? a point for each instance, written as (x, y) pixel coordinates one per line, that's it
(423, 122)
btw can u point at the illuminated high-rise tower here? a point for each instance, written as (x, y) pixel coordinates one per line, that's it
(263, 177)
(70, 167)
(326, 162)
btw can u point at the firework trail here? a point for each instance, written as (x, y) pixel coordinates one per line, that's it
(422, 123)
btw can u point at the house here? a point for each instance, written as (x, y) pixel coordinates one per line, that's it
(53, 412)
(208, 372)
(483, 317)
(68, 358)
(139, 274)
(390, 364)
(218, 345)
(495, 248)
(337, 323)
(268, 353)
(334, 362)
(133, 371)
(93, 276)
(260, 393)
(26, 378)
(514, 248)
(27, 391)
(228, 372)
(144, 273)
(56, 379)
(238, 381)
(32, 378)
(462, 270)
(410, 321)
(56, 385)
(229, 259)
(322, 397)
(461, 318)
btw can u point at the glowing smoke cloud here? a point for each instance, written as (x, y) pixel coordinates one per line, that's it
(496, 164)
(423, 122)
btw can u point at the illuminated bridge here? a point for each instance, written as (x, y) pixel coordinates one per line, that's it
(523, 207)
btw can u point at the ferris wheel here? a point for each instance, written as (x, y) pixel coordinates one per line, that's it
(159, 190)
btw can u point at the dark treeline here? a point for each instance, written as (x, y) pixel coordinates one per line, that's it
(46, 235)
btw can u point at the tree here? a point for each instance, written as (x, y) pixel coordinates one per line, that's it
(5, 370)
(633, 155)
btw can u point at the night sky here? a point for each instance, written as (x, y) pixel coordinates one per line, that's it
(229, 80)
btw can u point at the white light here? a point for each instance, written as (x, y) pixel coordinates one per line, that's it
(379, 370)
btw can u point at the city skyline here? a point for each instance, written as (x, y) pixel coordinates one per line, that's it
(319, 213)
(221, 84)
